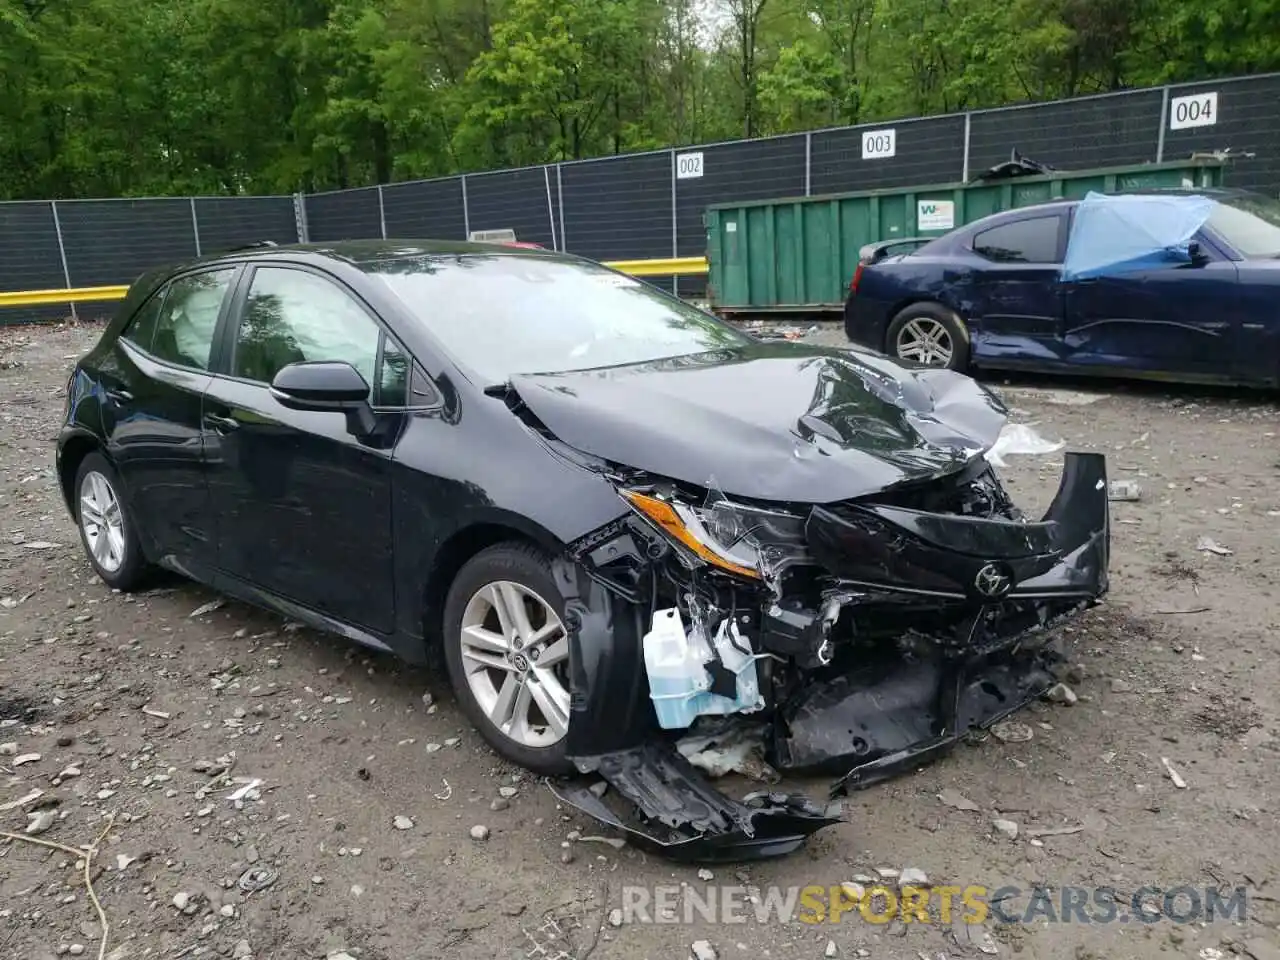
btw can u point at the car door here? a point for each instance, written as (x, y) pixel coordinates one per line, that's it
(1179, 319)
(304, 506)
(1017, 294)
(153, 382)
(1258, 353)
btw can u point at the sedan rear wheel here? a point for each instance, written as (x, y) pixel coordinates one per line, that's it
(106, 527)
(925, 341)
(930, 335)
(507, 651)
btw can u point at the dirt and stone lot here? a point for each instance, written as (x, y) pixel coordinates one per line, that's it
(147, 712)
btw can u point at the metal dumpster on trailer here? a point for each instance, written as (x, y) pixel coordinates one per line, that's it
(797, 255)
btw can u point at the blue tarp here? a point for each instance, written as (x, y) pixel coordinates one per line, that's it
(1119, 234)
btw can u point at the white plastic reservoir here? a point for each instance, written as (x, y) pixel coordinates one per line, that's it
(676, 658)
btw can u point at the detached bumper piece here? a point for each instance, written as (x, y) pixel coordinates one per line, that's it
(688, 820)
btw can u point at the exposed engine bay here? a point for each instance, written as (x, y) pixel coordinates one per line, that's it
(861, 636)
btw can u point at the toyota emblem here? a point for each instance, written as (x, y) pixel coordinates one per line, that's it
(992, 581)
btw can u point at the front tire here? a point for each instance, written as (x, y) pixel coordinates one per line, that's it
(930, 335)
(107, 527)
(507, 654)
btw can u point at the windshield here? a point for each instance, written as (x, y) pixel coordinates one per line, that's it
(507, 314)
(1251, 224)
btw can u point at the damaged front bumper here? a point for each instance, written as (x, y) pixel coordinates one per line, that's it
(900, 630)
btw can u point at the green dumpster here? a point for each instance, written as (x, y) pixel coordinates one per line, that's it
(797, 255)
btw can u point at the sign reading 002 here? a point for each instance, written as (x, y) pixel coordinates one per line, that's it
(688, 165)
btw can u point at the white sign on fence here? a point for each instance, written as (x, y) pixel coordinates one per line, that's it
(688, 165)
(879, 143)
(1198, 110)
(935, 215)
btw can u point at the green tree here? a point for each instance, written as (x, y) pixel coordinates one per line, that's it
(153, 97)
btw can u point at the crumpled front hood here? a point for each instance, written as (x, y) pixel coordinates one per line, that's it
(781, 422)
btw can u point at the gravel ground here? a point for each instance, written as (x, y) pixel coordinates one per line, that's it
(147, 712)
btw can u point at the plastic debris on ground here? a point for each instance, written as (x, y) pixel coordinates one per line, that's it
(247, 791)
(1021, 439)
(1209, 545)
(736, 749)
(1124, 490)
(257, 878)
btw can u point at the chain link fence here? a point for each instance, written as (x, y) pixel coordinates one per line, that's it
(648, 205)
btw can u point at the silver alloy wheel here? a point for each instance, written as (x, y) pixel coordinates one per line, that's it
(102, 521)
(925, 341)
(515, 655)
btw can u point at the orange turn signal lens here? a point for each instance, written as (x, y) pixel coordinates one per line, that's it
(668, 521)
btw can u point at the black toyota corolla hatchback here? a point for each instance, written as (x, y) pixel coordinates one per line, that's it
(620, 520)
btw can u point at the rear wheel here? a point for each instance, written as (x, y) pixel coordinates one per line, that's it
(507, 654)
(930, 335)
(106, 526)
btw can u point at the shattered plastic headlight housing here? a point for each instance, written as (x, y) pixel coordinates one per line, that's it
(740, 539)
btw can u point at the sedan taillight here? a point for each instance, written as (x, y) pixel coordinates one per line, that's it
(857, 276)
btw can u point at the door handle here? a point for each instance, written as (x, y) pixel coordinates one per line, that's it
(220, 423)
(118, 395)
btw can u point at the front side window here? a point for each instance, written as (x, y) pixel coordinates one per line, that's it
(177, 324)
(1023, 241)
(292, 316)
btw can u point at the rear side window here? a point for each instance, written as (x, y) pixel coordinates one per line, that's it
(1023, 241)
(142, 328)
(177, 324)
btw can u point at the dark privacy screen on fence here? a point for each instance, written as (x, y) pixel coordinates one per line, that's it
(344, 215)
(522, 200)
(924, 151)
(651, 205)
(1247, 116)
(1103, 132)
(613, 223)
(29, 258)
(224, 223)
(425, 208)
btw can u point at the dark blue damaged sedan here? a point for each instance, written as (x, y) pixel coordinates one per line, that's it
(995, 295)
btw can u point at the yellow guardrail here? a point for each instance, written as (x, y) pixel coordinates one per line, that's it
(37, 298)
(675, 266)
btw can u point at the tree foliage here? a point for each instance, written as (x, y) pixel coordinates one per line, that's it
(153, 97)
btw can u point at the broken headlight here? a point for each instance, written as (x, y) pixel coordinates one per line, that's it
(747, 541)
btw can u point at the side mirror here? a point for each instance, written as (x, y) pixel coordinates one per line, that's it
(326, 385)
(1196, 252)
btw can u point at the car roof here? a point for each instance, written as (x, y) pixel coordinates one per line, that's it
(364, 253)
(1213, 193)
